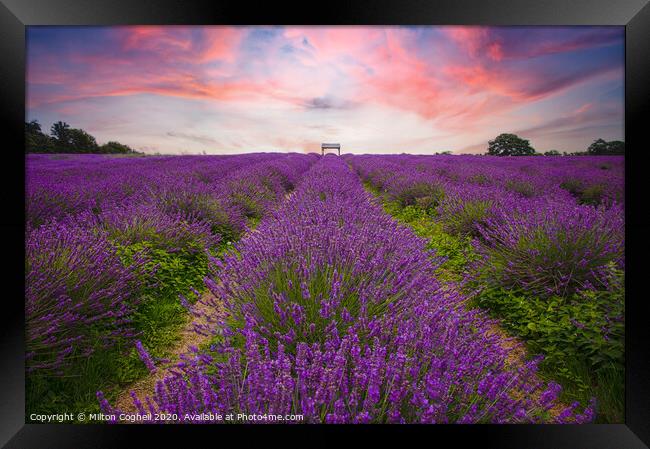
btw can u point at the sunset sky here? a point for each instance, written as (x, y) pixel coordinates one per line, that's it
(218, 90)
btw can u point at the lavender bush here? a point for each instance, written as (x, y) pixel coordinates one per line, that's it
(552, 248)
(79, 297)
(334, 312)
(548, 233)
(111, 243)
(546, 225)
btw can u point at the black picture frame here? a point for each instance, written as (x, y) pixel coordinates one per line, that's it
(15, 15)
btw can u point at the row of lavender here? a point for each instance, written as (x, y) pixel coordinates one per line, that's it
(591, 180)
(540, 242)
(334, 312)
(550, 226)
(98, 228)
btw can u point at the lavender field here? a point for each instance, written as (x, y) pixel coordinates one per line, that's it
(352, 289)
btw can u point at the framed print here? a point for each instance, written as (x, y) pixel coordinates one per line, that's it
(391, 220)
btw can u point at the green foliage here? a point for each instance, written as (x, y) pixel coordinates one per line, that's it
(67, 140)
(509, 145)
(250, 197)
(480, 178)
(284, 281)
(580, 337)
(524, 188)
(166, 273)
(60, 131)
(585, 194)
(593, 195)
(79, 142)
(35, 140)
(157, 320)
(461, 218)
(144, 230)
(203, 207)
(115, 148)
(71, 140)
(544, 264)
(248, 204)
(158, 323)
(573, 186)
(458, 251)
(602, 147)
(424, 195)
(552, 153)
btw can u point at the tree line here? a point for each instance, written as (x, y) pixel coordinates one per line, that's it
(513, 145)
(64, 139)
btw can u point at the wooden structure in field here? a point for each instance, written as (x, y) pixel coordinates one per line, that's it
(330, 146)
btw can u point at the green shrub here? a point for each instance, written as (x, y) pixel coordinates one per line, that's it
(585, 194)
(480, 178)
(581, 339)
(282, 292)
(461, 218)
(167, 273)
(593, 195)
(524, 188)
(424, 195)
(204, 207)
(573, 186)
(157, 321)
(457, 251)
(251, 198)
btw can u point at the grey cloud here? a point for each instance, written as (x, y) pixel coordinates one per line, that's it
(328, 102)
(205, 140)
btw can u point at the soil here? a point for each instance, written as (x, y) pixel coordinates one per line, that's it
(188, 337)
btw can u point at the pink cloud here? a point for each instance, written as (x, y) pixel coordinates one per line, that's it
(471, 39)
(521, 85)
(495, 51)
(454, 80)
(582, 109)
(498, 44)
(183, 43)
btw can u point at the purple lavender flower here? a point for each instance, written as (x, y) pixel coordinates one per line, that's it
(145, 357)
(409, 352)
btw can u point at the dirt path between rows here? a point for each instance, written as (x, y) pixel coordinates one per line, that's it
(208, 309)
(517, 354)
(203, 313)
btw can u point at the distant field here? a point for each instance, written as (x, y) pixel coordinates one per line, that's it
(325, 289)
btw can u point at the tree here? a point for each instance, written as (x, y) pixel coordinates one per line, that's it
(60, 131)
(81, 142)
(68, 140)
(509, 145)
(601, 147)
(35, 140)
(617, 147)
(552, 153)
(598, 147)
(115, 148)
(72, 140)
(33, 127)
